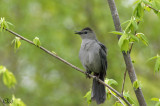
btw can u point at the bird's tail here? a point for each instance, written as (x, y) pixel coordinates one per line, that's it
(98, 91)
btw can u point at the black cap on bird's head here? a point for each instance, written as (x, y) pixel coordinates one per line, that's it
(86, 33)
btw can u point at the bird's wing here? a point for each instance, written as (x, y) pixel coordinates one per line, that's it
(102, 53)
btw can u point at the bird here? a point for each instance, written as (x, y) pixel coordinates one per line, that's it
(93, 57)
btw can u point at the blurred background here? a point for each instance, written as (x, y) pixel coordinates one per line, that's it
(45, 81)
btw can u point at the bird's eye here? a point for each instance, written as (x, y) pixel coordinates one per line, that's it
(85, 32)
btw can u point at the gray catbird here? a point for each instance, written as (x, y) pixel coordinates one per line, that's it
(93, 58)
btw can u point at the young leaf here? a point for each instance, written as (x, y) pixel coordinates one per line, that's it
(151, 58)
(9, 79)
(128, 97)
(54, 52)
(125, 22)
(156, 5)
(4, 24)
(108, 95)
(157, 64)
(125, 45)
(117, 103)
(36, 41)
(143, 38)
(137, 84)
(138, 11)
(88, 97)
(157, 104)
(155, 99)
(133, 38)
(111, 82)
(134, 23)
(17, 43)
(17, 102)
(129, 26)
(147, 2)
(121, 40)
(2, 69)
(117, 32)
(147, 8)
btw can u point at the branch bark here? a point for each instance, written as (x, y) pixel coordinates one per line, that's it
(71, 65)
(127, 59)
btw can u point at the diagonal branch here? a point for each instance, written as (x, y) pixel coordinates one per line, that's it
(71, 65)
(118, 99)
(127, 58)
(152, 8)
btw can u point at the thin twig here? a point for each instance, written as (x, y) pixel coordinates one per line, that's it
(117, 98)
(131, 48)
(69, 64)
(123, 82)
(152, 8)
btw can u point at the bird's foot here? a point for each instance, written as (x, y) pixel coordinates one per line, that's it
(87, 74)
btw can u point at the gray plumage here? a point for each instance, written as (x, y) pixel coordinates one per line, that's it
(93, 58)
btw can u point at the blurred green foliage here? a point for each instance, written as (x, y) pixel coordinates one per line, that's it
(43, 80)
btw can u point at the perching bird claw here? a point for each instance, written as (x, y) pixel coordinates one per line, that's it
(87, 74)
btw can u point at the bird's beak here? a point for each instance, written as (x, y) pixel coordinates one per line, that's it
(78, 32)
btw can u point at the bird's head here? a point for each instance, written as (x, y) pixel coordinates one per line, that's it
(86, 33)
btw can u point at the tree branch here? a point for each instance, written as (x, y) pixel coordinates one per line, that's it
(152, 8)
(71, 65)
(127, 59)
(124, 81)
(117, 98)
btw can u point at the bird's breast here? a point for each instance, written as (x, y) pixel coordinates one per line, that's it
(89, 56)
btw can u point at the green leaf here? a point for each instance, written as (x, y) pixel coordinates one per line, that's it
(147, 2)
(9, 23)
(134, 23)
(125, 45)
(138, 11)
(54, 52)
(133, 38)
(4, 24)
(125, 22)
(17, 102)
(111, 82)
(147, 8)
(108, 95)
(129, 26)
(136, 2)
(117, 103)
(151, 58)
(157, 64)
(155, 99)
(137, 84)
(117, 32)
(156, 5)
(157, 104)
(88, 97)
(8, 79)
(122, 41)
(17, 43)
(2, 69)
(128, 97)
(143, 38)
(36, 41)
